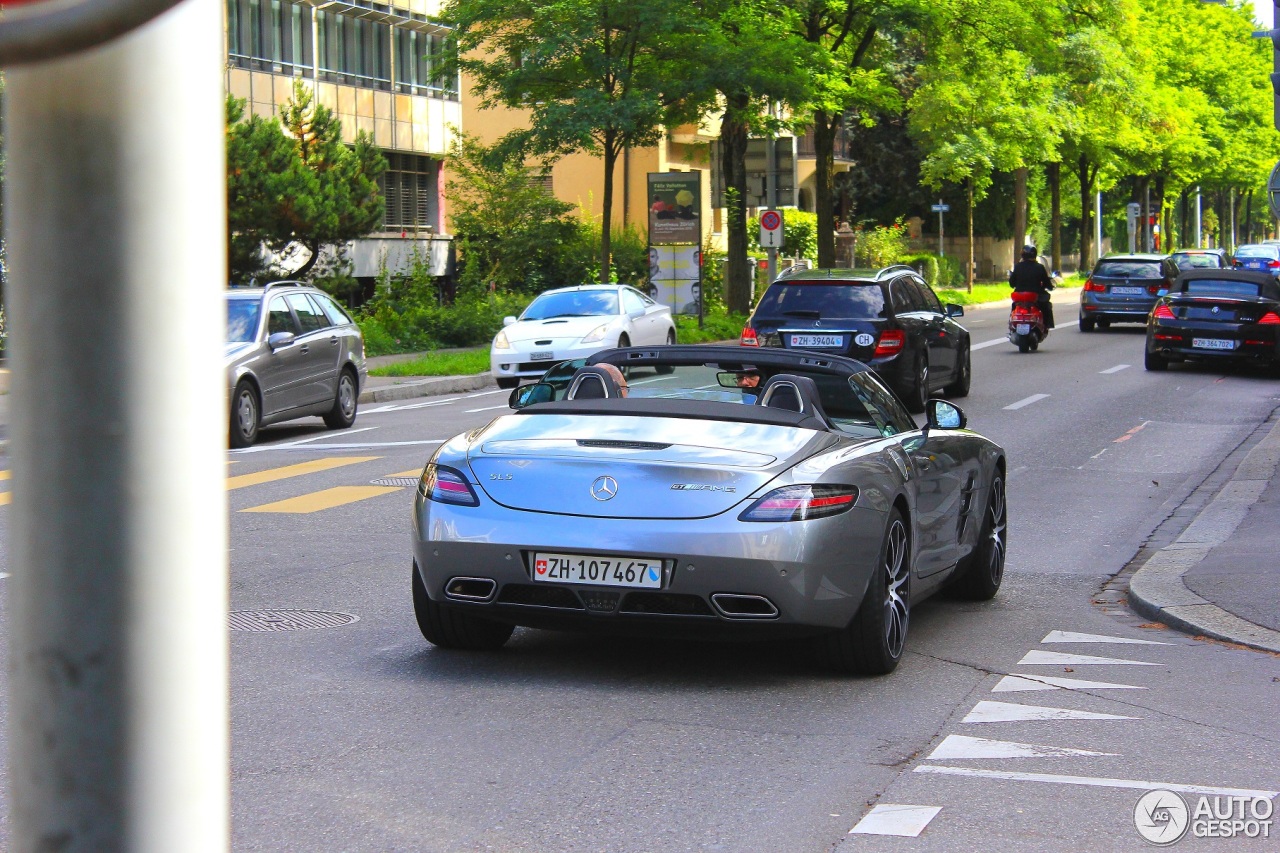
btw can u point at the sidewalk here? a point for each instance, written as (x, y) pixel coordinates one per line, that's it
(1219, 577)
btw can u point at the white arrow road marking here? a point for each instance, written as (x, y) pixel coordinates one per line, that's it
(887, 819)
(1136, 784)
(1038, 658)
(1020, 683)
(1116, 369)
(986, 344)
(1034, 398)
(1008, 712)
(1073, 637)
(960, 746)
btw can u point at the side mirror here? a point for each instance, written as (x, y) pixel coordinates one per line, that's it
(280, 339)
(944, 415)
(527, 395)
(507, 321)
(954, 310)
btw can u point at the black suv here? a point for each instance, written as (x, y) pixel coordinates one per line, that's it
(888, 319)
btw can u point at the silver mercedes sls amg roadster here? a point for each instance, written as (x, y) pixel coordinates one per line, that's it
(708, 490)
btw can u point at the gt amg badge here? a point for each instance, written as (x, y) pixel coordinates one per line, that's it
(701, 487)
(604, 488)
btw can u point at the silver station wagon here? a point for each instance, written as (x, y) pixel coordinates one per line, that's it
(292, 352)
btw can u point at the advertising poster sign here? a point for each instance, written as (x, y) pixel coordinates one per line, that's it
(675, 201)
(674, 274)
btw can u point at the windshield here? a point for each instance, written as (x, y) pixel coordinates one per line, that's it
(242, 319)
(818, 301)
(1258, 252)
(1214, 287)
(572, 303)
(1197, 261)
(1128, 269)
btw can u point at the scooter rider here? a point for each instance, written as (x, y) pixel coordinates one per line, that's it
(1030, 276)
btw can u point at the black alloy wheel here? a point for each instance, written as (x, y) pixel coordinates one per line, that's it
(451, 628)
(873, 642)
(979, 577)
(343, 413)
(245, 415)
(964, 375)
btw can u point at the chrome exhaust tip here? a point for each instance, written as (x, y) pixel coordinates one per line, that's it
(736, 606)
(471, 589)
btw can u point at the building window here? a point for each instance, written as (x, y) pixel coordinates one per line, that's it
(269, 35)
(423, 65)
(410, 187)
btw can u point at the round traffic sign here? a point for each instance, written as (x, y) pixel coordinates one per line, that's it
(771, 220)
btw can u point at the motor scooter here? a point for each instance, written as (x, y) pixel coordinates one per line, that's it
(1026, 323)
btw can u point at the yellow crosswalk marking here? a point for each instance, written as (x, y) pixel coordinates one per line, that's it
(4, 475)
(416, 472)
(325, 499)
(6, 498)
(272, 474)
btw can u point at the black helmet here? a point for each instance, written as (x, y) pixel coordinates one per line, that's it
(1028, 253)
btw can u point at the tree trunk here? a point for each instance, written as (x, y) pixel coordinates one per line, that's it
(606, 217)
(824, 143)
(1142, 190)
(1248, 218)
(1182, 220)
(1054, 173)
(1086, 211)
(968, 273)
(1161, 244)
(1019, 212)
(313, 247)
(733, 160)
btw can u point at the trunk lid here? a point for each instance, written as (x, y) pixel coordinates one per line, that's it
(655, 467)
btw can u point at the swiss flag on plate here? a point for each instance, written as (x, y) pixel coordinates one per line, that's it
(540, 566)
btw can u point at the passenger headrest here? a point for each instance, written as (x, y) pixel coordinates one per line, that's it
(592, 383)
(793, 393)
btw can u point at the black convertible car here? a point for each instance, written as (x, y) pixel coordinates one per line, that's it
(1212, 314)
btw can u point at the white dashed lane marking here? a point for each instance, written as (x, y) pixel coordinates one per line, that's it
(1027, 401)
(986, 344)
(1116, 369)
(903, 821)
(1038, 658)
(1023, 683)
(1009, 712)
(962, 747)
(1073, 637)
(1136, 784)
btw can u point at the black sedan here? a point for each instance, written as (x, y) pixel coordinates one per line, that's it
(1216, 315)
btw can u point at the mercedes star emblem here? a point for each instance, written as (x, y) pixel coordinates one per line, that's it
(604, 488)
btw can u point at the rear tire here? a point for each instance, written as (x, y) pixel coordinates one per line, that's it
(918, 396)
(1104, 323)
(873, 642)
(246, 415)
(623, 341)
(1087, 324)
(665, 369)
(1154, 361)
(979, 577)
(345, 402)
(1023, 346)
(960, 387)
(449, 628)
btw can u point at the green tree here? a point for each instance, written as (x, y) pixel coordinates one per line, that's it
(590, 73)
(296, 184)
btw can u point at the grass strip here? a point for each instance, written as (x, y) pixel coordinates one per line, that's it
(456, 363)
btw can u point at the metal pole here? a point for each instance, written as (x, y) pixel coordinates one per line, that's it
(771, 192)
(1097, 230)
(1199, 238)
(116, 192)
(941, 249)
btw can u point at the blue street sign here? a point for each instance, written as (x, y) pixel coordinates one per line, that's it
(941, 208)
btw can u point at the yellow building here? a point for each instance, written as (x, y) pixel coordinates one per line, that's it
(379, 68)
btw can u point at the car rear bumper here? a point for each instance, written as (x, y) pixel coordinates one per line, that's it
(798, 575)
(1123, 310)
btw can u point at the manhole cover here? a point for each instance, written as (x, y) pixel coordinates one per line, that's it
(286, 620)
(395, 481)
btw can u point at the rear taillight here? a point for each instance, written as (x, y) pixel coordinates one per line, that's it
(1163, 312)
(801, 503)
(446, 485)
(1270, 318)
(1273, 264)
(890, 343)
(749, 337)
(1091, 287)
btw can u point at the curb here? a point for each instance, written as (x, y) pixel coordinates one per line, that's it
(1157, 590)
(427, 388)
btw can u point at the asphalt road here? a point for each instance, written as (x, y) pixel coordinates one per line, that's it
(364, 738)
